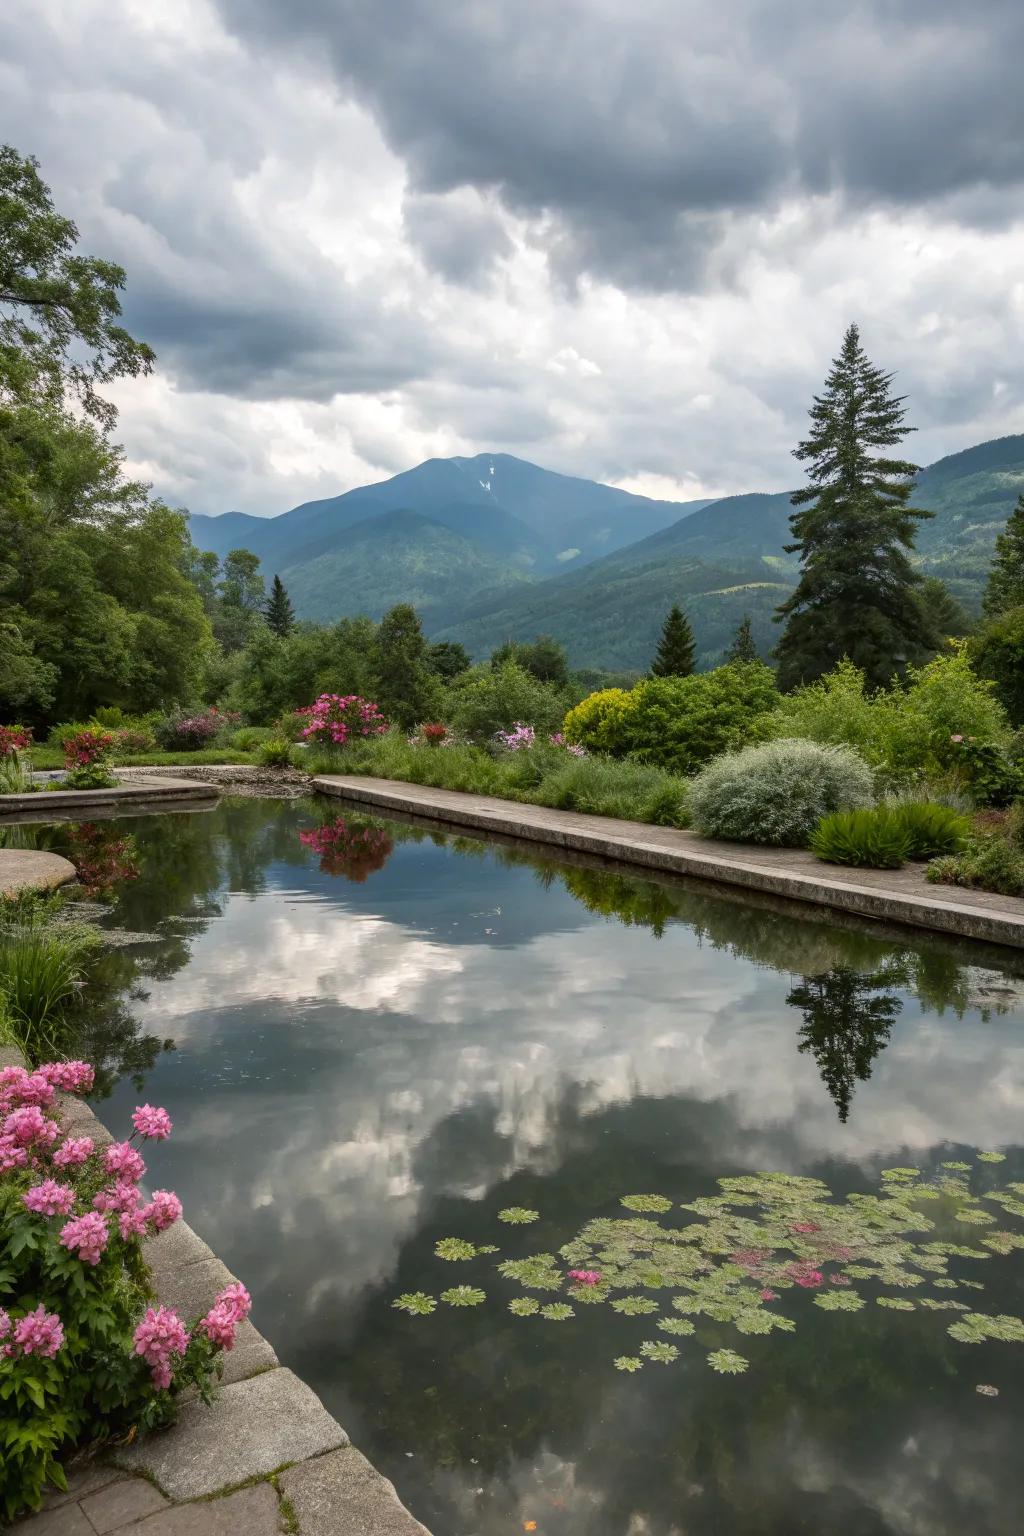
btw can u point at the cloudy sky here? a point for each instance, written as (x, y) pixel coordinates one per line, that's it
(619, 239)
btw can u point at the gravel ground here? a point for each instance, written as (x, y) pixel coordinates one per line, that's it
(239, 778)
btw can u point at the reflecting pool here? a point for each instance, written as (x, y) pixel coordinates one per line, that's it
(372, 1037)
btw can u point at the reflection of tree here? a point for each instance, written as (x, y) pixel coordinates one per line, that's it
(103, 854)
(847, 1019)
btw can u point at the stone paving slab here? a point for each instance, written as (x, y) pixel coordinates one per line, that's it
(192, 1290)
(249, 1512)
(253, 1428)
(896, 895)
(343, 1493)
(120, 1504)
(27, 869)
(174, 1249)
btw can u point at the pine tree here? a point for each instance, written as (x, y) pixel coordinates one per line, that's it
(743, 647)
(279, 613)
(674, 656)
(1005, 587)
(854, 532)
(407, 691)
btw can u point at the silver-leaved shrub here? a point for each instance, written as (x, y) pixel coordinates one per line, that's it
(777, 792)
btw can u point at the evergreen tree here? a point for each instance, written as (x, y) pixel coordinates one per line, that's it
(448, 659)
(943, 614)
(854, 532)
(743, 647)
(674, 656)
(279, 613)
(407, 691)
(1005, 587)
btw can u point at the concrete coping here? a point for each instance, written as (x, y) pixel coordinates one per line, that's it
(27, 869)
(158, 792)
(895, 896)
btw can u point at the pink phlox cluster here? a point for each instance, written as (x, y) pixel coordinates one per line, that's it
(5, 1324)
(132, 1223)
(231, 1308)
(18, 1087)
(334, 717)
(49, 1199)
(558, 740)
(29, 1127)
(154, 1124)
(519, 737)
(160, 1335)
(585, 1276)
(124, 1160)
(69, 1076)
(86, 747)
(87, 1234)
(163, 1210)
(37, 1333)
(73, 1152)
(11, 1155)
(122, 1195)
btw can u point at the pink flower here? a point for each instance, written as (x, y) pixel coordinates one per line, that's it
(767, 1295)
(132, 1224)
(163, 1210)
(29, 1127)
(119, 1196)
(69, 1076)
(585, 1276)
(160, 1335)
(237, 1300)
(76, 1150)
(88, 1234)
(805, 1226)
(5, 1324)
(49, 1199)
(123, 1159)
(39, 1333)
(21, 1087)
(803, 1274)
(11, 1155)
(155, 1124)
(231, 1308)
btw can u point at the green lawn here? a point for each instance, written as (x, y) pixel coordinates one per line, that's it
(45, 757)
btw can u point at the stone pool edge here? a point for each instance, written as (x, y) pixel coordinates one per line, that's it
(666, 850)
(162, 793)
(266, 1429)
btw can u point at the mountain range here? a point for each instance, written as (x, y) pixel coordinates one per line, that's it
(492, 548)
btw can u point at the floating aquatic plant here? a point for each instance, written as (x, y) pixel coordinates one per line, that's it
(991, 1157)
(518, 1215)
(738, 1253)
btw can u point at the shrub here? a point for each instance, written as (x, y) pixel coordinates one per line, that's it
(985, 770)
(992, 863)
(87, 759)
(778, 791)
(82, 1358)
(13, 739)
(335, 719)
(908, 730)
(680, 723)
(597, 786)
(875, 838)
(131, 740)
(274, 754)
(486, 700)
(184, 731)
(998, 654)
(931, 828)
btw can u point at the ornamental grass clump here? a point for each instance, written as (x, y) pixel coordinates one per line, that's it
(875, 838)
(932, 828)
(777, 792)
(83, 1358)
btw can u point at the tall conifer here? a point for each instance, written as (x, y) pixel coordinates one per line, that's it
(279, 613)
(743, 647)
(674, 656)
(854, 533)
(1005, 587)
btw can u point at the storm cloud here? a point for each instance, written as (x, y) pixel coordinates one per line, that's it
(621, 240)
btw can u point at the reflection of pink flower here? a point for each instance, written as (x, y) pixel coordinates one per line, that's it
(767, 1295)
(585, 1276)
(749, 1258)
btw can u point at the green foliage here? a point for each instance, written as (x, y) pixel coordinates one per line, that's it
(854, 531)
(675, 653)
(544, 659)
(454, 1248)
(905, 730)
(490, 699)
(518, 1215)
(944, 617)
(986, 771)
(404, 687)
(991, 863)
(42, 972)
(778, 791)
(279, 613)
(932, 829)
(273, 675)
(1005, 587)
(646, 1203)
(997, 652)
(875, 838)
(448, 659)
(679, 723)
(16, 774)
(275, 753)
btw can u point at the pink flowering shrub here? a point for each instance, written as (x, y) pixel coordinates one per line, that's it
(336, 719)
(185, 731)
(87, 760)
(14, 738)
(83, 1357)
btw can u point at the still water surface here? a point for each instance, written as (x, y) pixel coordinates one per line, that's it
(383, 1037)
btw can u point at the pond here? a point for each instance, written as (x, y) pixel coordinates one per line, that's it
(373, 1038)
